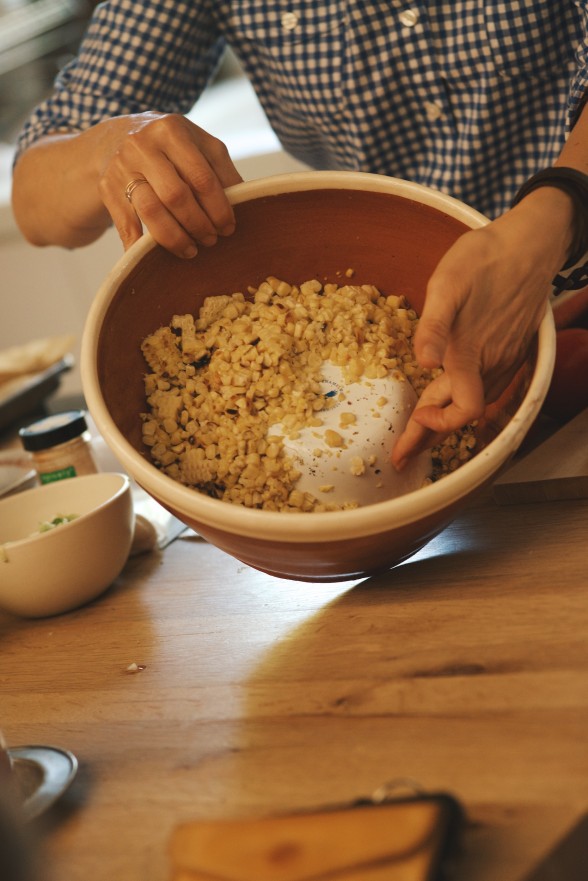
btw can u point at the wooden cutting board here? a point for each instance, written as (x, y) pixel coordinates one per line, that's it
(557, 469)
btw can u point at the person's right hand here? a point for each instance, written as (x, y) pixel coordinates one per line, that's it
(180, 172)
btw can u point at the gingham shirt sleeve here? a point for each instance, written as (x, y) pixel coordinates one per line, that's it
(579, 90)
(136, 56)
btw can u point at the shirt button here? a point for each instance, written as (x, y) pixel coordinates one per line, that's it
(409, 17)
(289, 21)
(433, 111)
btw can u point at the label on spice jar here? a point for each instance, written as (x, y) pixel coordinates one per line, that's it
(51, 476)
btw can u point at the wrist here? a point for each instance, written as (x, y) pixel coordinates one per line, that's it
(574, 185)
(551, 213)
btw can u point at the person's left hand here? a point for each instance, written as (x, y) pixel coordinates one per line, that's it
(483, 305)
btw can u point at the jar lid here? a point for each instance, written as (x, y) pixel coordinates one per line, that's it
(53, 430)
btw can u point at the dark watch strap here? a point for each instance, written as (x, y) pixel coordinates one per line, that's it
(575, 183)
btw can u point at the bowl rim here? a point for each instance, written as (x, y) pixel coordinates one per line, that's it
(123, 487)
(292, 527)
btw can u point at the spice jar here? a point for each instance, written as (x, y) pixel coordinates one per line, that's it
(60, 445)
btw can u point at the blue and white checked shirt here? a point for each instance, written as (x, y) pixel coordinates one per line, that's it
(468, 96)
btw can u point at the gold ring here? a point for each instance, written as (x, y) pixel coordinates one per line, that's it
(132, 186)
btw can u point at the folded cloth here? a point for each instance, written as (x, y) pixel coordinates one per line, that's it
(34, 356)
(155, 527)
(145, 537)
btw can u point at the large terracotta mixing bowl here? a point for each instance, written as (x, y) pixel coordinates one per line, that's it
(297, 227)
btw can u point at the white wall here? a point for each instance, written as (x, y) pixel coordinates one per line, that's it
(47, 291)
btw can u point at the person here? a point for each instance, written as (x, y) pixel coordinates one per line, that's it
(471, 97)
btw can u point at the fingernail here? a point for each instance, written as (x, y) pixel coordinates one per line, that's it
(400, 464)
(208, 241)
(190, 252)
(228, 230)
(430, 355)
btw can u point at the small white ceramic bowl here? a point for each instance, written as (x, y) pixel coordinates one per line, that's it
(47, 573)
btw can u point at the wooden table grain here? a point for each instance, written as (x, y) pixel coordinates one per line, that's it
(464, 669)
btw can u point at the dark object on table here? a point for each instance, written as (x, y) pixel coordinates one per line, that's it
(568, 861)
(25, 395)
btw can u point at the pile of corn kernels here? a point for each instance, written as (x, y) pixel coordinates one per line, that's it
(219, 381)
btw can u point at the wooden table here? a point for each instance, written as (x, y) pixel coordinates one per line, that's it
(465, 669)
